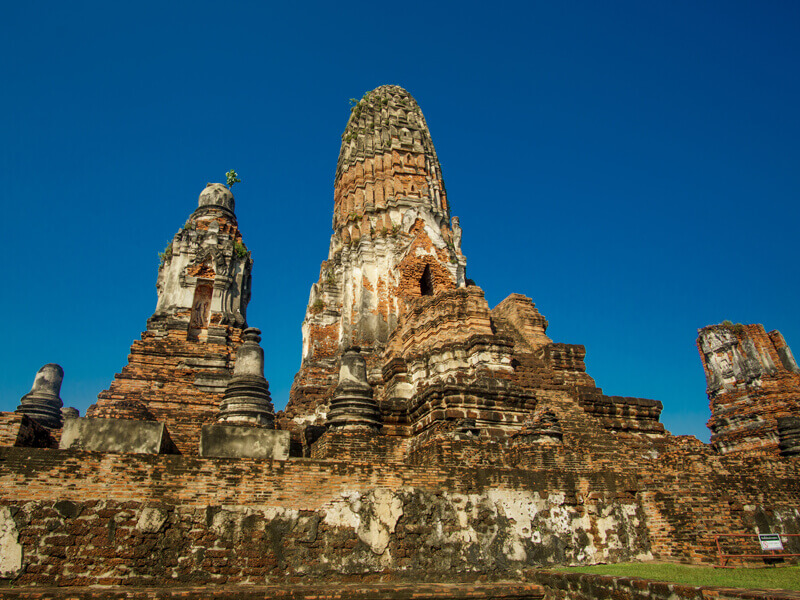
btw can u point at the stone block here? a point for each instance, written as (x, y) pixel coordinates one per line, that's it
(117, 436)
(237, 441)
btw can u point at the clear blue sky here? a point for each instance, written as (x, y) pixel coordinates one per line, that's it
(634, 167)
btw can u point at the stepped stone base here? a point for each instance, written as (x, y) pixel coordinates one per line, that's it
(235, 441)
(352, 591)
(117, 436)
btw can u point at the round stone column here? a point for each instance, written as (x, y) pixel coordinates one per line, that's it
(247, 400)
(43, 403)
(353, 406)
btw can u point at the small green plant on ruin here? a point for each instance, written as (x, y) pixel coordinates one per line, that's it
(232, 178)
(239, 249)
(355, 109)
(384, 231)
(189, 226)
(330, 279)
(318, 306)
(395, 229)
(166, 254)
(737, 328)
(357, 105)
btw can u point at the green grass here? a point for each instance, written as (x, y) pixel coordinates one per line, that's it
(781, 578)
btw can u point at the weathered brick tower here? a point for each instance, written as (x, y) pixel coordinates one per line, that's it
(392, 241)
(177, 372)
(438, 360)
(753, 388)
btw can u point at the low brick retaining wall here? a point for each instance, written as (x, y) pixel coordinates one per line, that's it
(361, 591)
(590, 586)
(543, 585)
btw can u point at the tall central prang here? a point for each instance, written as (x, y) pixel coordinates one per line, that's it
(397, 341)
(393, 240)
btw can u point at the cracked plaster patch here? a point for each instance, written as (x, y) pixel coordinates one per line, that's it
(10, 548)
(383, 510)
(373, 516)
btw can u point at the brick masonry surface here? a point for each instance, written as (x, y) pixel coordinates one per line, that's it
(585, 586)
(85, 518)
(549, 586)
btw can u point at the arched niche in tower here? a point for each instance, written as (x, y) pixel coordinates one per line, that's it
(201, 308)
(426, 282)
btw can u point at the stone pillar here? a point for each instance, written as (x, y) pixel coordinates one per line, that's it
(245, 426)
(353, 406)
(247, 400)
(42, 403)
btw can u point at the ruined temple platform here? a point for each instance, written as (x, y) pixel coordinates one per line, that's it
(549, 585)
(354, 591)
(427, 437)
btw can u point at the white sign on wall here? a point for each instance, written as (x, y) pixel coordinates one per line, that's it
(770, 541)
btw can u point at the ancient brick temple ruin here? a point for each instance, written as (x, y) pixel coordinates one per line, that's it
(177, 373)
(754, 388)
(427, 436)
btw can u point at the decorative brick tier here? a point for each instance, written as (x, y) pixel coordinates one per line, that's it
(172, 379)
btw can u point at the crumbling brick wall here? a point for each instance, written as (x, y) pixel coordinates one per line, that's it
(164, 520)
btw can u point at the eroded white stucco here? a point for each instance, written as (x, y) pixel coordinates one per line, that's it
(10, 548)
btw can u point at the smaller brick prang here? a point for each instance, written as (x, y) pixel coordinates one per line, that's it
(753, 389)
